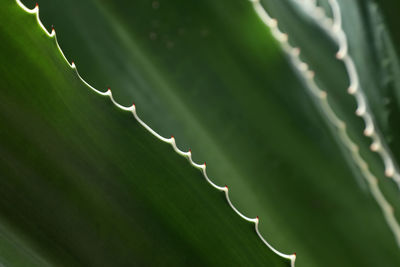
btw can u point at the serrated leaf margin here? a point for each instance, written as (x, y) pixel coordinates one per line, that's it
(321, 96)
(171, 140)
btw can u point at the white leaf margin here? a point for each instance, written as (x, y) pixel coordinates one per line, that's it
(321, 96)
(335, 31)
(171, 140)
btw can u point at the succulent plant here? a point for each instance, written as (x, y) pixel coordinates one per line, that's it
(294, 104)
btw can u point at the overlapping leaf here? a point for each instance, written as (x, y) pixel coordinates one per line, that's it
(210, 74)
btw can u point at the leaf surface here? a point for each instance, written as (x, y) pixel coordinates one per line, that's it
(85, 184)
(211, 74)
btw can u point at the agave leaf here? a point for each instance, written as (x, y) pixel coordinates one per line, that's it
(211, 74)
(85, 184)
(372, 52)
(368, 69)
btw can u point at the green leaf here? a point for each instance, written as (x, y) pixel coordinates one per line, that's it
(85, 184)
(375, 61)
(211, 74)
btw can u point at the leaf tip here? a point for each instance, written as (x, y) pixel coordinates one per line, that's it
(368, 131)
(340, 55)
(285, 37)
(296, 51)
(375, 146)
(352, 89)
(389, 172)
